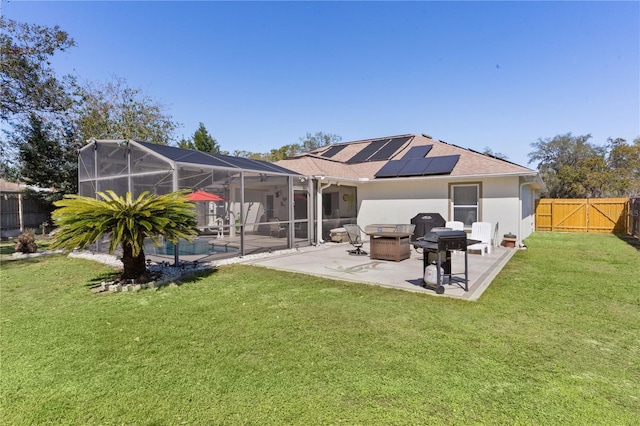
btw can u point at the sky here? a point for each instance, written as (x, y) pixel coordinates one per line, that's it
(259, 75)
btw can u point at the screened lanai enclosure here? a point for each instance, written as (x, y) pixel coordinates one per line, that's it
(243, 206)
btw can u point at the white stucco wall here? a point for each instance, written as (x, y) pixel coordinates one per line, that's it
(500, 205)
(399, 201)
(527, 222)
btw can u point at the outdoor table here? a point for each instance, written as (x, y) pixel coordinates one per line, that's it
(390, 245)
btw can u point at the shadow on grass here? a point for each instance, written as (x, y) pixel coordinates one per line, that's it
(631, 240)
(106, 276)
(187, 277)
(195, 276)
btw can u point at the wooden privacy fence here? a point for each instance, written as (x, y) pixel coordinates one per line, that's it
(18, 213)
(583, 215)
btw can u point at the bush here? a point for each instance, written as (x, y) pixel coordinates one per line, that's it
(27, 242)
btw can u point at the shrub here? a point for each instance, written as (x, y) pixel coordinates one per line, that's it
(27, 242)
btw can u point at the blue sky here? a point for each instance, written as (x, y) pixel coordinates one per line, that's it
(262, 74)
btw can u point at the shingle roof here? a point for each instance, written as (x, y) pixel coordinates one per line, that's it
(6, 186)
(470, 163)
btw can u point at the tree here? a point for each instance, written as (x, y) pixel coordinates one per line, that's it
(319, 140)
(572, 167)
(252, 155)
(308, 143)
(29, 87)
(624, 161)
(557, 158)
(489, 151)
(47, 157)
(126, 221)
(116, 111)
(29, 84)
(201, 141)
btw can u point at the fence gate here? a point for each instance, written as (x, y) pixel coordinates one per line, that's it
(583, 215)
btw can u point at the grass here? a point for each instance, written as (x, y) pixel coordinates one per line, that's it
(554, 340)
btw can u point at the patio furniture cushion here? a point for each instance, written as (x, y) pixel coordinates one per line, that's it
(339, 235)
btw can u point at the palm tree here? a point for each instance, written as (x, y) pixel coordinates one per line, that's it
(127, 222)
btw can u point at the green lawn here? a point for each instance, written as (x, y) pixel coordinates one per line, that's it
(554, 340)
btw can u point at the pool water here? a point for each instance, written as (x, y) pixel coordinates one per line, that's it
(197, 246)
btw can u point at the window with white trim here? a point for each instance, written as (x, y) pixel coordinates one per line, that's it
(465, 202)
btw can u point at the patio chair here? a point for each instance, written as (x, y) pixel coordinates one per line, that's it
(276, 228)
(217, 227)
(355, 239)
(481, 231)
(455, 225)
(214, 228)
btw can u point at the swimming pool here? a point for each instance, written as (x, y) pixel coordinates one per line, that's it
(198, 246)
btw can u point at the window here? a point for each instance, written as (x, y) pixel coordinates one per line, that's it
(465, 203)
(330, 206)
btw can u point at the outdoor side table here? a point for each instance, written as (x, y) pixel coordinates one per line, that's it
(390, 245)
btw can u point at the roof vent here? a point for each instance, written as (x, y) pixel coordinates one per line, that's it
(427, 136)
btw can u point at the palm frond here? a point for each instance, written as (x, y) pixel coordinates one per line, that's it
(83, 220)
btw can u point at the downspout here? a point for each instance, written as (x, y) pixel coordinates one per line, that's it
(520, 243)
(319, 208)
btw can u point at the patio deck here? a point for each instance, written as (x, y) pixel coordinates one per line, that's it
(331, 260)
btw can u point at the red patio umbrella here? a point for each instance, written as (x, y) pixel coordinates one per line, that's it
(201, 195)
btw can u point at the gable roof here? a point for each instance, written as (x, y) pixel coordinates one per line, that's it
(353, 160)
(6, 186)
(13, 187)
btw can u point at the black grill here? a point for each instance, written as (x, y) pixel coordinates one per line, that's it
(437, 246)
(444, 240)
(424, 222)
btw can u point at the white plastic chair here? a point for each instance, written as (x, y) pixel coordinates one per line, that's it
(276, 228)
(455, 225)
(481, 231)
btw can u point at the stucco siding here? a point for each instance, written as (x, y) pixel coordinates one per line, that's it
(500, 205)
(528, 218)
(398, 202)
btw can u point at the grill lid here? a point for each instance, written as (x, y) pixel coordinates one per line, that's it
(424, 222)
(438, 236)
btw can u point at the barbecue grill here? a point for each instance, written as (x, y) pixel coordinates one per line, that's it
(424, 223)
(437, 246)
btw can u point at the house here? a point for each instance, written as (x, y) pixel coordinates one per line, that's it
(258, 206)
(392, 179)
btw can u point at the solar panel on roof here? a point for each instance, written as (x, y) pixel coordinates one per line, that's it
(441, 165)
(391, 169)
(368, 151)
(333, 151)
(414, 166)
(389, 149)
(418, 151)
(406, 167)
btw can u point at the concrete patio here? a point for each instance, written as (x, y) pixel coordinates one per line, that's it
(332, 260)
